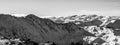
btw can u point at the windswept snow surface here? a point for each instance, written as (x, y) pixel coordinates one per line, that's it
(106, 34)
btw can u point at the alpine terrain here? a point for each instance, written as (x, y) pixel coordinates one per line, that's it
(70, 30)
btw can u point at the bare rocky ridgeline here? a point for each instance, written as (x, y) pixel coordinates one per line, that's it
(71, 30)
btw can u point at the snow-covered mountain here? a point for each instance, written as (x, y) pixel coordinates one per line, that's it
(83, 18)
(105, 34)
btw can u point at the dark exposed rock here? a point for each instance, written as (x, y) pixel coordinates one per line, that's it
(114, 25)
(34, 30)
(91, 23)
(99, 41)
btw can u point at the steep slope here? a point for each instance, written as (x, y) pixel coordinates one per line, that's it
(34, 30)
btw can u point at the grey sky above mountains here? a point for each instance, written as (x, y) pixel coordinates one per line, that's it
(60, 7)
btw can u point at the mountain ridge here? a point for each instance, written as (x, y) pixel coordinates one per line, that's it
(35, 30)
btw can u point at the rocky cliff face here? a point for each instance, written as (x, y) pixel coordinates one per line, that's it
(73, 30)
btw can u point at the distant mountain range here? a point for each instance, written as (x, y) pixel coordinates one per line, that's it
(71, 30)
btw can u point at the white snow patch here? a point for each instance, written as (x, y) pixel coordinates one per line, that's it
(19, 15)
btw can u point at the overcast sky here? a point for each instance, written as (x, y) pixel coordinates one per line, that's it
(60, 7)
